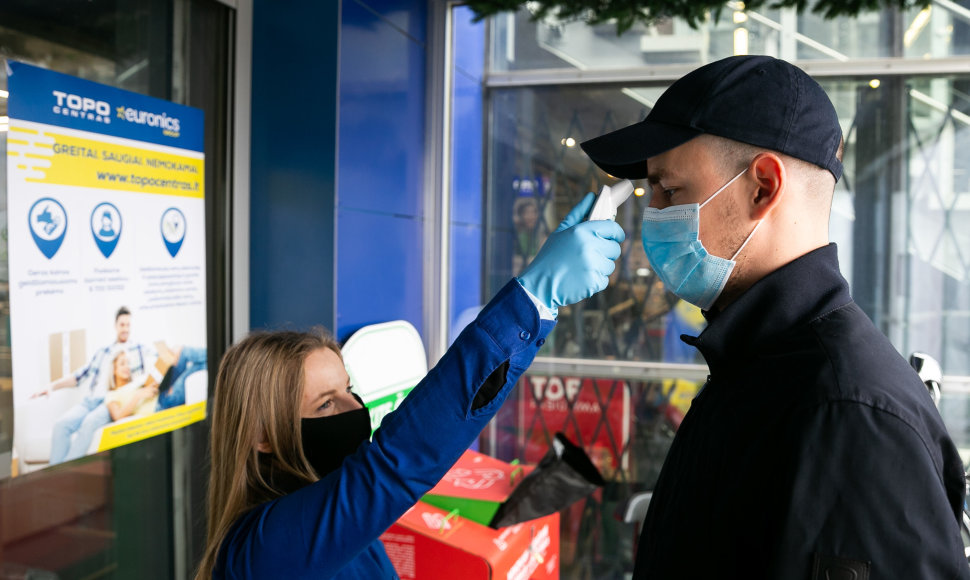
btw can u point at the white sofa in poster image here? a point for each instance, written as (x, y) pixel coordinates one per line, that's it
(35, 419)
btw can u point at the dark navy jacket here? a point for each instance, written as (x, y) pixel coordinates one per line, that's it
(329, 529)
(813, 450)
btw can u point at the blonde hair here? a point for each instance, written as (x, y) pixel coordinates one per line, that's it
(259, 388)
(112, 382)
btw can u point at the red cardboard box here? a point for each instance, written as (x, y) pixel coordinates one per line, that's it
(446, 535)
(427, 544)
(476, 486)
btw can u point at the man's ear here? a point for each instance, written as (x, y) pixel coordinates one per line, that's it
(768, 170)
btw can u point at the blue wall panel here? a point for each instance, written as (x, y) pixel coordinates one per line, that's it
(380, 163)
(467, 160)
(379, 282)
(409, 17)
(293, 164)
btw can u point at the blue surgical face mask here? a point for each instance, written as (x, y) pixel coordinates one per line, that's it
(676, 254)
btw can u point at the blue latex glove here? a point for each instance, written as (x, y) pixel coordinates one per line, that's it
(576, 260)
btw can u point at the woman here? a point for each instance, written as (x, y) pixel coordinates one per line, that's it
(295, 491)
(125, 397)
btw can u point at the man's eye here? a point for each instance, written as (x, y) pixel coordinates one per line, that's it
(670, 192)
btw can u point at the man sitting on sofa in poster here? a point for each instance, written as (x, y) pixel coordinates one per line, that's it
(90, 413)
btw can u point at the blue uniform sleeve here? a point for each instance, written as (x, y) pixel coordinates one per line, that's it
(873, 493)
(316, 531)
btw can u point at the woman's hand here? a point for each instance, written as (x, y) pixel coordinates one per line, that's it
(146, 393)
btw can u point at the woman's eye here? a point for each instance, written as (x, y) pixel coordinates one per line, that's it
(326, 405)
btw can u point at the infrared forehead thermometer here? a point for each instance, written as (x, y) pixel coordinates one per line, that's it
(609, 199)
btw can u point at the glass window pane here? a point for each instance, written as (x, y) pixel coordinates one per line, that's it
(538, 172)
(900, 216)
(518, 43)
(112, 514)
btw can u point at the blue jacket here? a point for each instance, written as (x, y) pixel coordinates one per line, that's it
(813, 450)
(329, 529)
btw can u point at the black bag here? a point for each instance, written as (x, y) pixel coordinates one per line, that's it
(564, 476)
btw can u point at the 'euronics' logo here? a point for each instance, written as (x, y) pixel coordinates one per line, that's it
(79, 107)
(170, 125)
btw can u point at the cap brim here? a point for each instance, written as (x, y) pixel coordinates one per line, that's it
(624, 152)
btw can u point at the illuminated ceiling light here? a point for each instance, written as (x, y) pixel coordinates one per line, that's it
(740, 41)
(4, 120)
(917, 26)
(568, 141)
(643, 272)
(639, 192)
(874, 83)
(4, 94)
(740, 17)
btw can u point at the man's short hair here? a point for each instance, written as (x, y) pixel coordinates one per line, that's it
(121, 312)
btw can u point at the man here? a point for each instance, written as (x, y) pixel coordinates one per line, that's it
(90, 414)
(813, 450)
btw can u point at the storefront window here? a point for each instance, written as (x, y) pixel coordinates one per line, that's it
(938, 31)
(614, 375)
(114, 514)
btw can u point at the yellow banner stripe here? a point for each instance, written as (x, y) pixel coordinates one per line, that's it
(88, 163)
(118, 434)
(24, 130)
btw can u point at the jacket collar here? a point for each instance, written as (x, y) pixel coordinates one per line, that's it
(789, 297)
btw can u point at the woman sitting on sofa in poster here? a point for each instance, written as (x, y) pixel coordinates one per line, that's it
(140, 395)
(126, 396)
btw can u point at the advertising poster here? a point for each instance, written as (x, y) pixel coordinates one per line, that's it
(593, 413)
(107, 266)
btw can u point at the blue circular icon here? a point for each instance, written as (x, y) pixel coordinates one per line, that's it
(106, 227)
(48, 225)
(173, 229)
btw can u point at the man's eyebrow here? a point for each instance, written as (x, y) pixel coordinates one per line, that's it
(654, 176)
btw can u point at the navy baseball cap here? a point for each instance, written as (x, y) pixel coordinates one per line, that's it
(758, 100)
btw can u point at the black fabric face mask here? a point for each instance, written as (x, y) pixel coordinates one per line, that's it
(328, 440)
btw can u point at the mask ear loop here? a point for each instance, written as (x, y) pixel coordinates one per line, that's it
(751, 235)
(723, 187)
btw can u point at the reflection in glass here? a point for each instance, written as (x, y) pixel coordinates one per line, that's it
(938, 31)
(111, 514)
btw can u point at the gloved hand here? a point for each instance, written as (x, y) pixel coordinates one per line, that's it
(576, 260)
